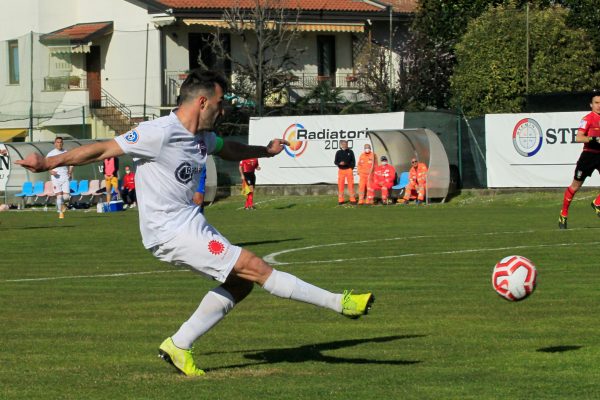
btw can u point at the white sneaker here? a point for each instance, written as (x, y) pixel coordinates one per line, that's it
(125, 207)
(133, 205)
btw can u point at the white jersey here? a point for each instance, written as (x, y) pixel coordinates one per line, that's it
(168, 161)
(62, 173)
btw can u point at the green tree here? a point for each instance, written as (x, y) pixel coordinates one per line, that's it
(429, 50)
(440, 24)
(267, 31)
(586, 14)
(491, 73)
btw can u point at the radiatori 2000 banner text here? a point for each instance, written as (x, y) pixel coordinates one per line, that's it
(314, 140)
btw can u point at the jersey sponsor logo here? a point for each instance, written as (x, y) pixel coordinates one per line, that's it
(184, 173)
(216, 247)
(296, 147)
(527, 137)
(132, 137)
(583, 124)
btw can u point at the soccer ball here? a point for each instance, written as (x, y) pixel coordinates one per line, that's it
(514, 278)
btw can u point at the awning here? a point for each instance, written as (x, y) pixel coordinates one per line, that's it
(302, 27)
(78, 34)
(77, 49)
(7, 135)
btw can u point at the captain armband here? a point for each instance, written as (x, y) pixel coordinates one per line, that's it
(219, 144)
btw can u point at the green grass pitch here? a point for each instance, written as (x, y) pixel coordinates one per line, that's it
(83, 307)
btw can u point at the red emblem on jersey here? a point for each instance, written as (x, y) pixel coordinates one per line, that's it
(215, 247)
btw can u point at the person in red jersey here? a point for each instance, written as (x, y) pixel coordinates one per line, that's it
(128, 188)
(247, 168)
(588, 134)
(417, 181)
(384, 177)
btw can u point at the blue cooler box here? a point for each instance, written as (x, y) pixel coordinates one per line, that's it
(115, 206)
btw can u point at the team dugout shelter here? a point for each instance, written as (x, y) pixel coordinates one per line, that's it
(401, 145)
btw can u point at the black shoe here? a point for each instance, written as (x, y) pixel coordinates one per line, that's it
(596, 209)
(562, 222)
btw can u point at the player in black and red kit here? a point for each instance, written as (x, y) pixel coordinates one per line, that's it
(588, 134)
(247, 168)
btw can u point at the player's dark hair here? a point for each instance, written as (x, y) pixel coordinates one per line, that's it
(200, 82)
(58, 138)
(594, 93)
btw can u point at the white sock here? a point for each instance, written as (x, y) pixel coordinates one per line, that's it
(212, 309)
(288, 286)
(59, 202)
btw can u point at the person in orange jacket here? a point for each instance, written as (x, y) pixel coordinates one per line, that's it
(367, 162)
(384, 176)
(417, 181)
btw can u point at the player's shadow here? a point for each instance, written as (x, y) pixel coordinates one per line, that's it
(286, 207)
(558, 349)
(242, 244)
(314, 352)
(42, 227)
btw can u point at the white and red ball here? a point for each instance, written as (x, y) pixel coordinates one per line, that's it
(514, 278)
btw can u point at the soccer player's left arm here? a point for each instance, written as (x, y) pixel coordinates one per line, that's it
(234, 151)
(582, 137)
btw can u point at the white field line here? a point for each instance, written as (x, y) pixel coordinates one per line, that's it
(434, 253)
(270, 258)
(258, 202)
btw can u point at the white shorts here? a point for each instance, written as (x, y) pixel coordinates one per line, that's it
(199, 246)
(61, 185)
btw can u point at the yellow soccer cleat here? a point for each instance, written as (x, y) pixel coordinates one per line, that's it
(562, 222)
(596, 208)
(179, 358)
(355, 305)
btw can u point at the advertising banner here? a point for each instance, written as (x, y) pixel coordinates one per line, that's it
(314, 140)
(4, 167)
(533, 150)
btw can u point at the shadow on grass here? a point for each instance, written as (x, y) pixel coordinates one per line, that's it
(292, 205)
(314, 352)
(41, 227)
(242, 244)
(558, 349)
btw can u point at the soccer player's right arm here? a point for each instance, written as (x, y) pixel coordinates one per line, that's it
(78, 156)
(234, 151)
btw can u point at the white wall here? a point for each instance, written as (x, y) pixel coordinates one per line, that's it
(123, 53)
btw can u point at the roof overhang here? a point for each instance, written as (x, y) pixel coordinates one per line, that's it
(301, 27)
(78, 34)
(10, 134)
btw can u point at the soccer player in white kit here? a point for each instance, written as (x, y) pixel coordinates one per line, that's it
(60, 179)
(169, 153)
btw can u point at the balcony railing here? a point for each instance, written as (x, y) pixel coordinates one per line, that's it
(174, 79)
(309, 81)
(63, 83)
